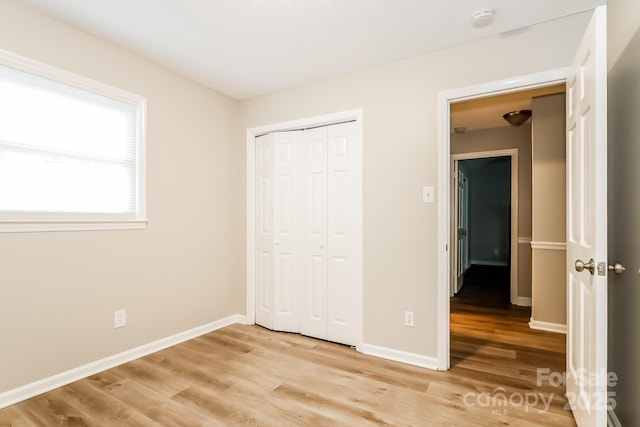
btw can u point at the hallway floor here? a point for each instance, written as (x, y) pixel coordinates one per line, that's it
(491, 341)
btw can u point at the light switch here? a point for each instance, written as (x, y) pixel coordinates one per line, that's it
(427, 194)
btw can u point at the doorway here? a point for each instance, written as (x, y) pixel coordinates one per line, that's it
(535, 81)
(485, 217)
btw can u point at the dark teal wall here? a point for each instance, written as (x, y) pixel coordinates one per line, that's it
(624, 231)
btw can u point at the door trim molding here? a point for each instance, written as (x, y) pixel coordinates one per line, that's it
(445, 98)
(512, 153)
(355, 115)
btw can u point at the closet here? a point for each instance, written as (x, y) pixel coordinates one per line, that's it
(305, 232)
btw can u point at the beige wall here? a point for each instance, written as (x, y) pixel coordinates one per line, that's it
(59, 290)
(399, 101)
(623, 21)
(499, 139)
(549, 208)
(549, 290)
(624, 206)
(187, 267)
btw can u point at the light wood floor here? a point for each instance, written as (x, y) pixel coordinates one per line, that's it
(249, 376)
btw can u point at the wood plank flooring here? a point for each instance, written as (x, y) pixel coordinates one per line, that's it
(491, 342)
(248, 376)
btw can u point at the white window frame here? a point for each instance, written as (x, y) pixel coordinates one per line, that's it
(37, 222)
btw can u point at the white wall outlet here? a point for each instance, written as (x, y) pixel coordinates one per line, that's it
(408, 318)
(427, 194)
(120, 319)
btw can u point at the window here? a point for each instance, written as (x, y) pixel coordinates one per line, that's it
(71, 151)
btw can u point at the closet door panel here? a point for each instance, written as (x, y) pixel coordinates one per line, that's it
(287, 228)
(314, 265)
(264, 231)
(340, 234)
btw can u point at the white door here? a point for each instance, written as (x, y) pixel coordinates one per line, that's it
(329, 270)
(462, 229)
(306, 242)
(587, 227)
(264, 231)
(342, 223)
(459, 227)
(315, 293)
(465, 223)
(286, 230)
(278, 230)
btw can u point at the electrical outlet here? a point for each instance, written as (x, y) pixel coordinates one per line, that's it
(408, 318)
(120, 319)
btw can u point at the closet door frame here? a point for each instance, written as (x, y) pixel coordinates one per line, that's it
(306, 123)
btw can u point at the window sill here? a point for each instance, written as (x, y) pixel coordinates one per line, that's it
(33, 226)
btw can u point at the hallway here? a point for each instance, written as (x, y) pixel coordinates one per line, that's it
(491, 341)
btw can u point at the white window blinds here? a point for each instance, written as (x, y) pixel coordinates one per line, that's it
(69, 149)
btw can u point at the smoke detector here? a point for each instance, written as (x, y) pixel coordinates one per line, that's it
(483, 17)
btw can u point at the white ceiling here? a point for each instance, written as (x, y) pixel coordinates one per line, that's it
(244, 48)
(484, 113)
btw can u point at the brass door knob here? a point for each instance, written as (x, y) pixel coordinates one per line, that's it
(617, 268)
(581, 266)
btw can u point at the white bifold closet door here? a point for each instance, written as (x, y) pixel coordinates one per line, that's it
(305, 242)
(278, 228)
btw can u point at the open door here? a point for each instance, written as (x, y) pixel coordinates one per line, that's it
(462, 227)
(587, 227)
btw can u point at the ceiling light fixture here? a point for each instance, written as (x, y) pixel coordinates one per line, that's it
(483, 17)
(518, 117)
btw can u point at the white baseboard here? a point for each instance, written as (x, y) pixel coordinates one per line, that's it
(612, 419)
(523, 301)
(400, 356)
(492, 263)
(27, 391)
(549, 327)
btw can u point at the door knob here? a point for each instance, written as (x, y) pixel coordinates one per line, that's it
(581, 266)
(617, 268)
